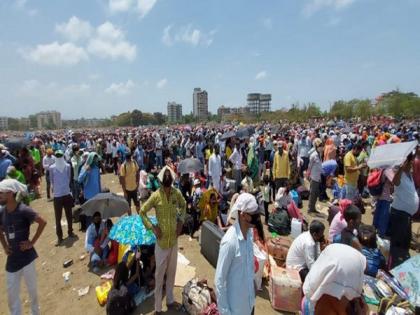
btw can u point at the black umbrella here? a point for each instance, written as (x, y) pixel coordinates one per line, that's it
(190, 165)
(108, 204)
(227, 135)
(243, 133)
(16, 143)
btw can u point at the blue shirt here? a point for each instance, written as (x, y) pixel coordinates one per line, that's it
(139, 156)
(329, 167)
(234, 280)
(4, 164)
(60, 181)
(91, 182)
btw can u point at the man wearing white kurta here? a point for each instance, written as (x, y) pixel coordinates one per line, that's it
(215, 168)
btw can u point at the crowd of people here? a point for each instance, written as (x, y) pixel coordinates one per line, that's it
(236, 174)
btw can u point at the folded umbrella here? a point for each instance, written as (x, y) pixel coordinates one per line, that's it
(390, 155)
(130, 230)
(191, 165)
(108, 204)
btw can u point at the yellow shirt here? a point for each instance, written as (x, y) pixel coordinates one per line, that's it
(281, 165)
(129, 172)
(167, 214)
(351, 178)
(228, 152)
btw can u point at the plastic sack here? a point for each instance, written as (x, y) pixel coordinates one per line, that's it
(261, 257)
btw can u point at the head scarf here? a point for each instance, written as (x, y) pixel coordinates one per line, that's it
(245, 203)
(337, 272)
(162, 173)
(344, 204)
(12, 185)
(90, 158)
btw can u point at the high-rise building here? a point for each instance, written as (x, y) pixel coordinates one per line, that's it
(174, 112)
(49, 119)
(200, 104)
(4, 123)
(258, 103)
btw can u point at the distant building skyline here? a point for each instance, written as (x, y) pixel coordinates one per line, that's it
(200, 104)
(259, 103)
(174, 112)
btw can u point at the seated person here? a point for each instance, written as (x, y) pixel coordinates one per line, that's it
(96, 242)
(119, 301)
(113, 251)
(247, 183)
(209, 206)
(334, 285)
(353, 217)
(222, 219)
(147, 275)
(225, 191)
(374, 257)
(306, 248)
(338, 222)
(152, 180)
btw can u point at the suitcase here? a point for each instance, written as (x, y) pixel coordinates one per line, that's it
(211, 235)
(285, 288)
(278, 248)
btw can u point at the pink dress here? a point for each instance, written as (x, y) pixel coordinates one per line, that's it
(337, 225)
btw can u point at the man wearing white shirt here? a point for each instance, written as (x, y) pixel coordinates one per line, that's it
(215, 168)
(47, 161)
(305, 249)
(234, 279)
(236, 159)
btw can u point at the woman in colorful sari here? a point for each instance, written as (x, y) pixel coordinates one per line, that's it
(209, 206)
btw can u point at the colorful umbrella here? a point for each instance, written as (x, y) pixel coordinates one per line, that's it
(130, 230)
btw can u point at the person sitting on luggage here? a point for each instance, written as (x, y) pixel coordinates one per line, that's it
(306, 248)
(119, 300)
(353, 217)
(222, 219)
(374, 257)
(96, 242)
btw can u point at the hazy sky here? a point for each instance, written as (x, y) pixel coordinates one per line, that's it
(95, 58)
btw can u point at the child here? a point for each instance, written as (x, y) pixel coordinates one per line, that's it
(374, 257)
(353, 217)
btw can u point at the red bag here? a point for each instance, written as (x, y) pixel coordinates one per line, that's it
(278, 248)
(375, 182)
(211, 310)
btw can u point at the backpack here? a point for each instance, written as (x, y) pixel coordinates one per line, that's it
(196, 297)
(375, 182)
(279, 222)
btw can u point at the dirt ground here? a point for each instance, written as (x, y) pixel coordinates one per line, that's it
(56, 297)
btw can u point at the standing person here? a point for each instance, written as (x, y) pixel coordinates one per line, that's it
(236, 159)
(15, 221)
(36, 156)
(60, 178)
(281, 167)
(352, 171)
(405, 204)
(303, 147)
(6, 160)
(47, 161)
(170, 208)
(114, 149)
(129, 180)
(108, 151)
(215, 168)
(76, 163)
(139, 156)
(383, 204)
(234, 279)
(314, 174)
(90, 176)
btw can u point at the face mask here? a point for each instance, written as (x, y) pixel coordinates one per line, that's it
(255, 219)
(167, 181)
